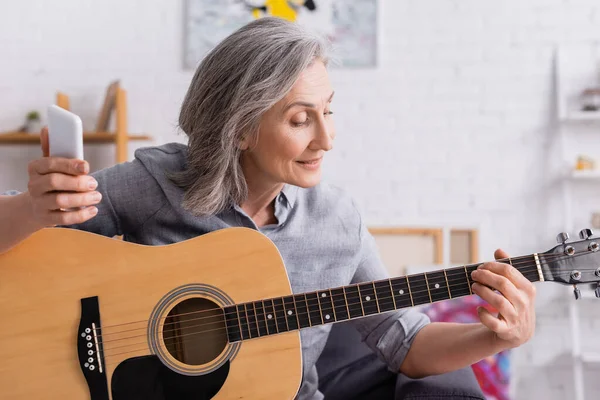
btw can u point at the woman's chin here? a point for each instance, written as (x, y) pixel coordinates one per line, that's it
(308, 180)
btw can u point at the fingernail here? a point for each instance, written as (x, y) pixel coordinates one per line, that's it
(475, 286)
(97, 196)
(93, 210)
(92, 184)
(81, 167)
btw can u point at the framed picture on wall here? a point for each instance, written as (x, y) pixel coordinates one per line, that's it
(350, 25)
(401, 247)
(406, 250)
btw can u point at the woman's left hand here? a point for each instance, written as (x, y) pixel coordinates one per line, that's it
(515, 301)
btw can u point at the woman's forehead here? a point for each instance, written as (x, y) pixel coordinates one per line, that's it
(313, 86)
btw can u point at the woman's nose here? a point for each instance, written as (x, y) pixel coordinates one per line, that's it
(325, 135)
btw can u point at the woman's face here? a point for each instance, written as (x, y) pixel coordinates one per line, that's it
(294, 134)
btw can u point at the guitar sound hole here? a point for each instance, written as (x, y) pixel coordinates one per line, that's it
(194, 331)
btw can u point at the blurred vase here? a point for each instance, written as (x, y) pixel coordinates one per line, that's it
(590, 99)
(595, 220)
(33, 126)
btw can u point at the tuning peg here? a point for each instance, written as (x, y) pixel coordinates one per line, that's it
(585, 233)
(576, 292)
(562, 237)
(597, 291)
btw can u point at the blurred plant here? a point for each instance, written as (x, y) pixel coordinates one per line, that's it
(33, 116)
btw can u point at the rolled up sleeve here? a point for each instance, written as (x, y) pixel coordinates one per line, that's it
(390, 334)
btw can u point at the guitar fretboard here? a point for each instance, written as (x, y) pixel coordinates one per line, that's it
(283, 314)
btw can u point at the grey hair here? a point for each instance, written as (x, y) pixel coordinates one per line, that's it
(234, 85)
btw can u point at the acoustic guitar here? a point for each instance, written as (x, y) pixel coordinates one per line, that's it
(85, 316)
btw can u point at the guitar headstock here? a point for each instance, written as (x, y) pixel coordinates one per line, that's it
(575, 262)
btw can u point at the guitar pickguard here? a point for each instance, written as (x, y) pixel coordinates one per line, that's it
(147, 378)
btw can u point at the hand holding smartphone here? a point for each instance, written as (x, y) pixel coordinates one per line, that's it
(60, 191)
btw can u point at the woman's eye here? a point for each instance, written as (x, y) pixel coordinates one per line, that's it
(299, 123)
(328, 112)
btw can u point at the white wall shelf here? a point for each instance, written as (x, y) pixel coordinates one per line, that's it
(576, 68)
(581, 116)
(585, 174)
(590, 358)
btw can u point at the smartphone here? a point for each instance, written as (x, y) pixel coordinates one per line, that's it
(65, 133)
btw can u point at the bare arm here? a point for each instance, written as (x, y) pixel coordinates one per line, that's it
(17, 222)
(444, 347)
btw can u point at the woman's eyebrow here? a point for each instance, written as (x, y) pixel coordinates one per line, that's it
(305, 104)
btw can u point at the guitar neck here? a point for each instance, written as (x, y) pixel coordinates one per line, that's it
(304, 310)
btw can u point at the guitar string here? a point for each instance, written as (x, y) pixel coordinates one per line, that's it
(217, 332)
(256, 322)
(451, 278)
(250, 330)
(454, 273)
(247, 324)
(282, 309)
(221, 316)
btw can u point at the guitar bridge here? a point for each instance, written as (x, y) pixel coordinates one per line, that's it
(89, 349)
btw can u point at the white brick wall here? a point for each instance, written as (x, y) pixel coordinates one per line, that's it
(452, 127)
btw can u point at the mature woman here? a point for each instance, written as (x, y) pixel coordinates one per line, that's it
(259, 121)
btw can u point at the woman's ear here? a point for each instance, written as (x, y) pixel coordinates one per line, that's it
(244, 143)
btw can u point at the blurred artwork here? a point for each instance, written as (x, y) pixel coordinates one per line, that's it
(492, 373)
(351, 25)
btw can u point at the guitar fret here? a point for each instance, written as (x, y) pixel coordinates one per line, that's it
(367, 296)
(428, 291)
(384, 296)
(280, 318)
(307, 309)
(354, 304)
(447, 284)
(290, 313)
(438, 288)
(302, 311)
(412, 300)
(320, 308)
(252, 325)
(468, 280)
(376, 299)
(314, 309)
(326, 307)
(400, 288)
(282, 314)
(340, 306)
(260, 318)
(270, 313)
(346, 299)
(296, 311)
(419, 289)
(458, 285)
(232, 322)
(470, 269)
(332, 305)
(243, 322)
(392, 292)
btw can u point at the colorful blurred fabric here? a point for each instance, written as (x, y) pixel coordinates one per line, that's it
(493, 372)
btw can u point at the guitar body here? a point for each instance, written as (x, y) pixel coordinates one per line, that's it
(133, 301)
